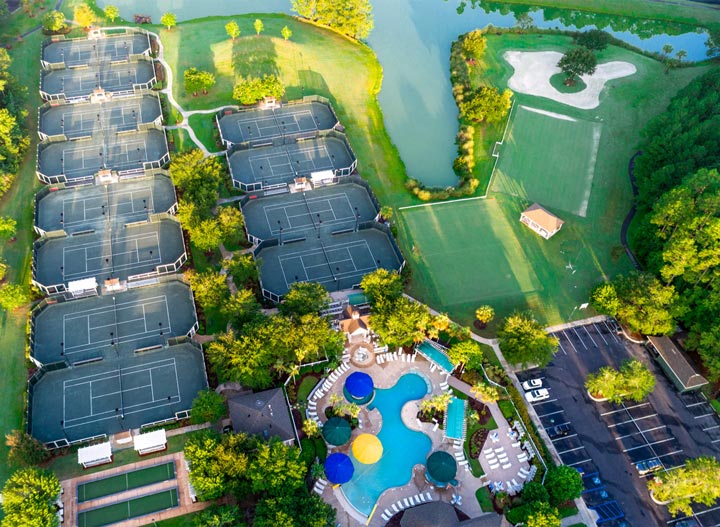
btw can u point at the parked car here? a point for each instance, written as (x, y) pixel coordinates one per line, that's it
(537, 395)
(688, 522)
(646, 467)
(532, 384)
(558, 431)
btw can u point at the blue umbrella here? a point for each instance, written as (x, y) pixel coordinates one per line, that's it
(359, 385)
(339, 468)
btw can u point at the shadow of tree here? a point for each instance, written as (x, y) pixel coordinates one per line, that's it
(254, 56)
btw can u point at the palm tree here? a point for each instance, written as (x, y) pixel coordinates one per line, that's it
(680, 55)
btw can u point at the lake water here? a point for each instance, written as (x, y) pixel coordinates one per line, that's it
(412, 40)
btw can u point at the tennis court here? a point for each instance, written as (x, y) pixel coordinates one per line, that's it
(117, 512)
(116, 394)
(303, 214)
(125, 481)
(113, 252)
(549, 158)
(92, 207)
(84, 52)
(281, 164)
(107, 326)
(338, 262)
(78, 160)
(81, 82)
(257, 125)
(76, 121)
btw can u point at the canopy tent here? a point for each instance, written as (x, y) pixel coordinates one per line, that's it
(336, 431)
(367, 449)
(359, 385)
(93, 455)
(441, 467)
(150, 442)
(339, 468)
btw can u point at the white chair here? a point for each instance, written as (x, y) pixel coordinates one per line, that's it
(494, 466)
(412, 501)
(428, 496)
(394, 507)
(405, 501)
(389, 513)
(507, 466)
(385, 516)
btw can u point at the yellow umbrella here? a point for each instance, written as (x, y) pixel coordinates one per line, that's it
(367, 449)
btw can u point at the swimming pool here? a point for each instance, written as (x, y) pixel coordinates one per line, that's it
(402, 448)
(435, 355)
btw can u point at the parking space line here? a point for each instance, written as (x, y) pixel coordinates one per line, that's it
(561, 347)
(695, 404)
(633, 420)
(612, 331)
(672, 453)
(570, 450)
(651, 444)
(703, 415)
(625, 408)
(540, 403)
(715, 440)
(711, 428)
(570, 341)
(578, 462)
(563, 437)
(641, 432)
(551, 413)
(601, 335)
(579, 337)
(589, 335)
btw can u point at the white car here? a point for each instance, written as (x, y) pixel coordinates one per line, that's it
(537, 395)
(532, 384)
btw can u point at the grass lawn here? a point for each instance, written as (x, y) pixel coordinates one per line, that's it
(306, 386)
(475, 252)
(313, 61)
(187, 520)
(205, 130)
(483, 496)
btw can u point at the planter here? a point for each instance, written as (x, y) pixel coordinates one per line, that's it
(597, 399)
(652, 497)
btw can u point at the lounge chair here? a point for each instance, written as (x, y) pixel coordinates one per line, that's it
(388, 512)
(405, 501)
(420, 498)
(385, 516)
(412, 501)
(428, 496)
(507, 466)
(394, 507)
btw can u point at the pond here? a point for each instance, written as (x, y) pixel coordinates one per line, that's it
(412, 40)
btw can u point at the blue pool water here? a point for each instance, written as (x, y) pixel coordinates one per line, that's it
(435, 355)
(402, 448)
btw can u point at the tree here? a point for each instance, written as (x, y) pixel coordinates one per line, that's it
(243, 270)
(437, 402)
(53, 21)
(563, 483)
(7, 227)
(276, 469)
(382, 287)
(667, 49)
(29, 497)
(697, 482)
(25, 450)
(232, 29)
(311, 428)
(401, 324)
(12, 296)
(296, 509)
(242, 308)
(632, 381)
(680, 55)
(220, 516)
(348, 17)
(259, 26)
(641, 302)
(474, 44)
(304, 298)
(198, 178)
(111, 12)
(386, 213)
(231, 223)
(486, 104)
(251, 90)
(534, 491)
(543, 515)
(468, 352)
(594, 39)
(209, 288)
(208, 407)
(524, 341)
(3, 269)
(486, 392)
(286, 32)
(206, 80)
(484, 314)
(206, 235)
(84, 15)
(168, 20)
(191, 81)
(713, 43)
(524, 22)
(577, 61)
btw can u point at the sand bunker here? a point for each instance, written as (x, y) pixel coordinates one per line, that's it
(533, 70)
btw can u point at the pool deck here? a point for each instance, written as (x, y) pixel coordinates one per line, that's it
(385, 375)
(186, 506)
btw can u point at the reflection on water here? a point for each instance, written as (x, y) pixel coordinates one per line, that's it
(412, 41)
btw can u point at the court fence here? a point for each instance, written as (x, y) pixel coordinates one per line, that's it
(311, 134)
(63, 289)
(96, 34)
(138, 88)
(282, 141)
(156, 124)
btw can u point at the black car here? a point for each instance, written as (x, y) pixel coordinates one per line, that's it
(558, 431)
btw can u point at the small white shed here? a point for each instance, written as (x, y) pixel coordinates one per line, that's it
(93, 455)
(150, 442)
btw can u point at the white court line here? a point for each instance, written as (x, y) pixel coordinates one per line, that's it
(125, 390)
(127, 370)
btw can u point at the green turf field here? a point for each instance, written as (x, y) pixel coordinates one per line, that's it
(125, 510)
(549, 158)
(126, 481)
(474, 252)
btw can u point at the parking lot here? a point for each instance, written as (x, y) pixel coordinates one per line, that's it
(609, 443)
